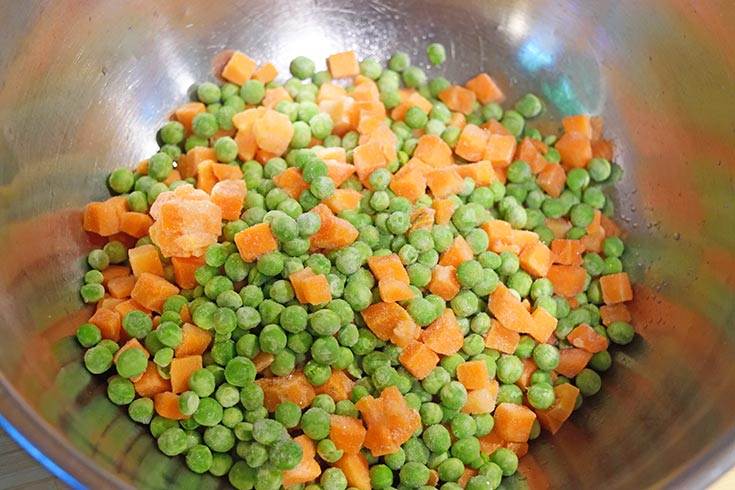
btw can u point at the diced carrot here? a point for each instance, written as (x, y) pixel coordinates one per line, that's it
(266, 73)
(291, 181)
(366, 90)
(609, 226)
(356, 470)
(513, 422)
(580, 123)
(297, 282)
(444, 282)
(617, 312)
(330, 91)
(103, 218)
(499, 150)
(472, 143)
(172, 177)
(151, 383)
(308, 469)
(444, 336)
(339, 172)
(502, 339)
(529, 367)
(262, 361)
(343, 65)
(343, 112)
(481, 400)
(409, 181)
(256, 241)
(194, 342)
(108, 322)
(526, 150)
(383, 318)
(120, 287)
(575, 149)
(239, 68)
(184, 269)
(392, 290)
(473, 374)
(543, 326)
(490, 442)
(458, 120)
(181, 369)
(432, 150)
(616, 288)
(568, 280)
(481, 172)
(229, 195)
(225, 171)
(388, 267)
(458, 99)
(592, 241)
(246, 145)
(520, 448)
(135, 224)
(444, 210)
(509, 310)
(122, 237)
(145, 259)
(334, 153)
(338, 386)
(142, 167)
(151, 291)
(316, 290)
(444, 182)
(553, 418)
(292, 388)
(386, 140)
(167, 405)
(536, 259)
(433, 478)
(459, 251)
(347, 433)
(584, 337)
(567, 252)
(343, 199)
(485, 89)
(422, 219)
(186, 113)
(273, 132)
(108, 303)
(390, 422)
(368, 158)
(559, 226)
(552, 179)
(404, 333)
(538, 164)
(334, 232)
(501, 172)
(603, 149)
(468, 474)
(418, 359)
(572, 361)
(205, 176)
(126, 307)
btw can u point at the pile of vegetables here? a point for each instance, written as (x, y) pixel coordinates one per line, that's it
(359, 278)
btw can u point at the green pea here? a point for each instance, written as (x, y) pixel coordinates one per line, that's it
(621, 333)
(301, 67)
(588, 382)
(131, 363)
(315, 423)
(546, 357)
(541, 396)
(121, 391)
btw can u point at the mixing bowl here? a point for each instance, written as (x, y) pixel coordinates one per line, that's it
(85, 84)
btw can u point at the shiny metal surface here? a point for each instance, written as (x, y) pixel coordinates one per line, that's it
(85, 84)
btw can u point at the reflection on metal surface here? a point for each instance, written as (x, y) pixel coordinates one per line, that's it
(84, 85)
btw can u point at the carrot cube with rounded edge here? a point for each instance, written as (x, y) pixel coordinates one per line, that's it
(585, 337)
(432, 150)
(145, 259)
(473, 374)
(616, 288)
(481, 400)
(536, 259)
(229, 195)
(180, 371)
(383, 318)
(572, 361)
(509, 310)
(513, 422)
(297, 282)
(580, 123)
(617, 312)
(502, 339)
(567, 252)
(444, 282)
(356, 470)
(103, 218)
(225, 171)
(194, 342)
(485, 89)
(575, 150)
(292, 388)
(135, 224)
(568, 280)
(393, 290)
(120, 287)
(458, 99)
(343, 199)
(186, 113)
(291, 182)
(308, 469)
(184, 269)
(338, 386)
(273, 132)
(334, 232)
(388, 267)
(256, 241)
(343, 65)
(347, 433)
(500, 149)
(444, 335)
(543, 326)
(367, 158)
(239, 68)
(459, 251)
(444, 210)
(418, 359)
(552, 179)
(167, 405)
(151, 291)
(108, 322)
(472, 143)
(339, 171)
(266, 73)
(553, 418)
(316, 290)
(444, 182)
(481, 172)
(150, 383)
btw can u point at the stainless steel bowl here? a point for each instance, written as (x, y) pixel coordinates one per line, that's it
(85, 84)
